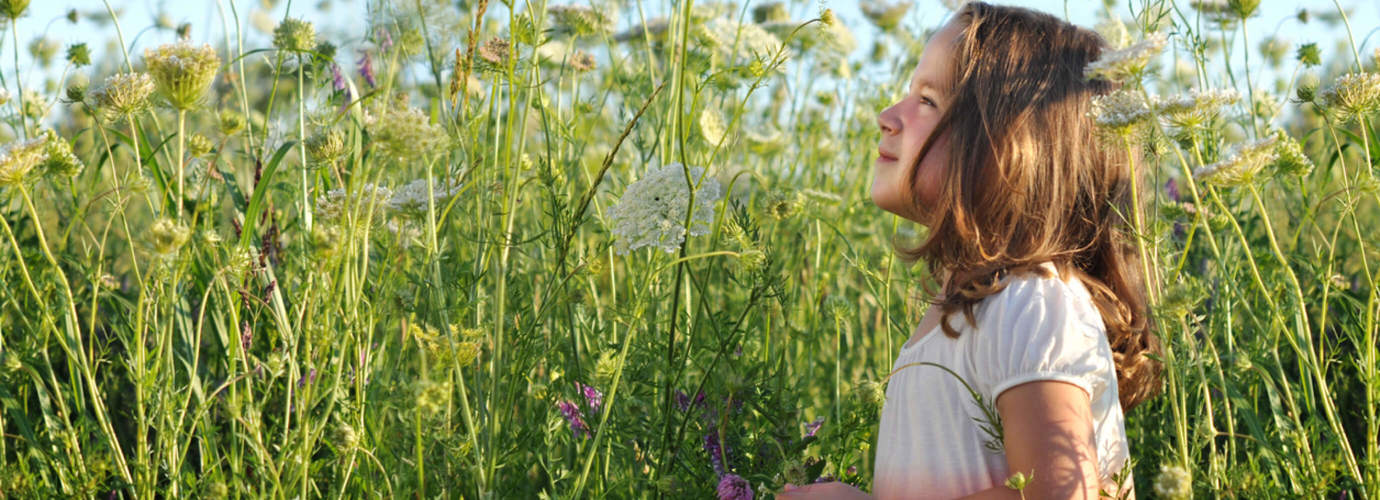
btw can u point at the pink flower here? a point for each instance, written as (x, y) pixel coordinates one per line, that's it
(732, 487)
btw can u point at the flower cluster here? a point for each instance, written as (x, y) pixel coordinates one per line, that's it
(885, 15)
(18, 158)
(412, 197)
(733, 487)
(1353, 95)
(1120, 111)
(1119, 65)
(1197, 107)
(1174, 482)
(182, 71)
(652, 211)
(1241, 165)
(405, 132)
(337, 202)
(294, 35)
(168, 236)
(571, 412)
(743, 40)
(579, 20)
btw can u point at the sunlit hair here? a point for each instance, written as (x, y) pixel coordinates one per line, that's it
(1029, 181)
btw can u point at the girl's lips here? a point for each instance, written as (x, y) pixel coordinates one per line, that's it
(882, 156)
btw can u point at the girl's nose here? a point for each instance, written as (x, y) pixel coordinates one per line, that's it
(888, 122)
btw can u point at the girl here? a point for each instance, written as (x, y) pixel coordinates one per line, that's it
(1040, 310)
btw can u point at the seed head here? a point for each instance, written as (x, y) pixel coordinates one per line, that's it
(1241, 165)
(578, 20)
(199, 145)
(61, 161)
(1353, 95)
(78, 55)
(827, 17)
(1292, 160)
(1127, 63)
(231, 122)
(870, 394)
(182, 72)
(12, 9)
(327, 146)
(294, 35)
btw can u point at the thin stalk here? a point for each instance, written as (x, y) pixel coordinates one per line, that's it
(19, 79)
(301, 143)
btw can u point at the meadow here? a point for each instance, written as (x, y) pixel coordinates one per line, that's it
(625, 249)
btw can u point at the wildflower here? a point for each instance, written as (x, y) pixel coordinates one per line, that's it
(653, 209)
(732, 39)
(813, 427)
(19, 157)
(466, 352)
(412, 197)
(385, 39)
(1309, 54)
(572, 417)
(5, 96)
(1353, 95)
(605, 366)
(404, 132)
(1197, 107)
(294, 35)
(493, 54)
(1018, 481)
(765, 143)
(1291, 160)
(712, 126)
(182, 71)
(1174, 482)
(366, 68)
(327, 146)
(34, 105)
(61, 161)
(581, 61)
(1120, 111)
(885, 15)
(231, 122)
(432, 397)
(199, 145)
(579, 20)
(336, 202)
(78, 55)
(168, 236)
(593, 398)
(732, 487)
(682, 401)
(827, 17)
(781, 205)
(870, 394)
(337, 79)
(1241, 165)
(715, 449)
(770, 12)
(12, 9)
(1119, 65)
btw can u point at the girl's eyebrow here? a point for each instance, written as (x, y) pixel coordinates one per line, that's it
(931, 85)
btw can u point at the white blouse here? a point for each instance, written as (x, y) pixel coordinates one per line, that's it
(931, 441)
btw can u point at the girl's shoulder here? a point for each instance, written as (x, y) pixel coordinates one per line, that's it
(1048, 293)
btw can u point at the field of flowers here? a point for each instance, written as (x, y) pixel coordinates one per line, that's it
(608, 249)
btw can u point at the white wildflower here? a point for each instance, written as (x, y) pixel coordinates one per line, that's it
(20, 157)
(1241, 165)
(1353, 95)
(411, 198)
(5, 96)
(731, 38)
(579, 20)
(652, 211)
(336, 202)
(1174, 482)
(1118, 65)
(1120, 111)
(1196, 107)
(712, 125)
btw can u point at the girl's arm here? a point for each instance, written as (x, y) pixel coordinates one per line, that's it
(1048, 434)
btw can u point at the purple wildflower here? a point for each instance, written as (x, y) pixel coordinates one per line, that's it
(682, 401)
(337, 79)
(715, 450)
(732, 487)
(572, 416)
(593, 398)
(385, 39)
(366, 68)
(307, 378)
(1171, 188)
(813, 427)
(246, 336)
(824, 479)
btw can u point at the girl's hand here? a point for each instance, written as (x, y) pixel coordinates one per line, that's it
(833, 490)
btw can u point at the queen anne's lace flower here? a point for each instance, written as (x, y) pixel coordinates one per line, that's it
(1353, 94)
(1120, 111)
(403, 132)
(124, 94)
(411, 198)
(1241, 165)
(752, 41)
(1118, 65)
(18, 158)
(886, 15)
(1196, 107)
(579, 20)
(182, 71)
(652, 211)
(1174, 482)
(336, 202)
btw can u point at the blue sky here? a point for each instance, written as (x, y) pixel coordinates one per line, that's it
(345, 18)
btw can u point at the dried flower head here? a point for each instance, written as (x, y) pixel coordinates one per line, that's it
(582, 61)
(1120, 111)
(61, 162)
(1353, 95)
(1127, 63)
(182, 71)
(493, 54)
(1241, 165)
(652, 211)
(20, 157)
(294, 35)
(327, 146)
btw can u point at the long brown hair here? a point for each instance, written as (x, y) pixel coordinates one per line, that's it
(1028, 181)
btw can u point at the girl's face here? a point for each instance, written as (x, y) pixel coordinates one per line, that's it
(906, 126)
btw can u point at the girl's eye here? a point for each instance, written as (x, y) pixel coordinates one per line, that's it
(927, 101)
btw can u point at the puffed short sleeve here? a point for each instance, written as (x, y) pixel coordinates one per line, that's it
(1038, 329)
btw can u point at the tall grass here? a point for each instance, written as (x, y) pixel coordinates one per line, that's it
(385, 265)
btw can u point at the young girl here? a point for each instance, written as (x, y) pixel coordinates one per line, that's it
(1040, 308)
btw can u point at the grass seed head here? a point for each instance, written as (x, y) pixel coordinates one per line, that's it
(294, 35)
